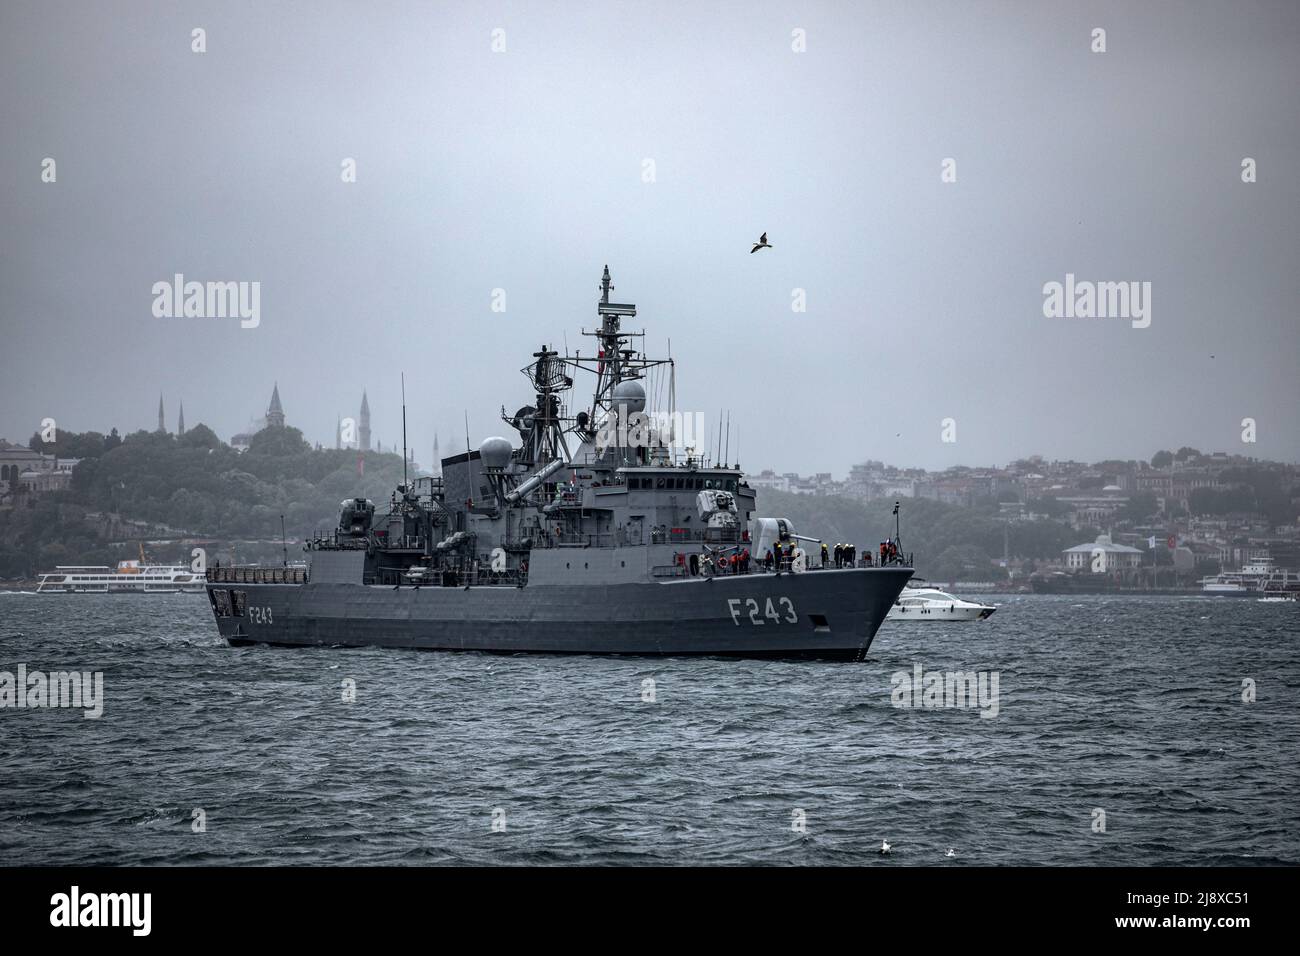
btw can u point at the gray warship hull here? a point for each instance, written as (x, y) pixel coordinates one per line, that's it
(823, 614)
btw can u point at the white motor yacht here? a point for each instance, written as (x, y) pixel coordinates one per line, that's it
(931, 604)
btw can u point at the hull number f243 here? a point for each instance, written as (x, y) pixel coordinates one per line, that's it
(259, 615)
(781, 612)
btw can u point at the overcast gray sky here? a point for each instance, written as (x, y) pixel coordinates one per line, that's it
(523, 170)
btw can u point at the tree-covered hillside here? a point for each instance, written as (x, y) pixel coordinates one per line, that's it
(949, 542)
(195, 484)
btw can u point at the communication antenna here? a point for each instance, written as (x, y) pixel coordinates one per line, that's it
(284, 546)
(727, 454)
(718, 457)
(672, 389)
(404, 431)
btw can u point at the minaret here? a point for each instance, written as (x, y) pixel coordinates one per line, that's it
(436, 467)
(338, 431)
(180, 421)
(275, 414)
(363, 426)
(162, 425)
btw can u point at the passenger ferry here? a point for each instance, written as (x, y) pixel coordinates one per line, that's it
(130, 577)
(1258, 576)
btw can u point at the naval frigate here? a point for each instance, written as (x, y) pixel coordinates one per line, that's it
(595, 533)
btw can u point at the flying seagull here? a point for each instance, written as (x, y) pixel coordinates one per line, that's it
(761, 244)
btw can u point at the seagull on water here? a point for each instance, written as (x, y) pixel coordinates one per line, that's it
(885, 847)
(761, 244)
(951, 853)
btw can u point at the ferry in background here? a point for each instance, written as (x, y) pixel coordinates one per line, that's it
(130, 577)
(931, 604)
(1258, 577)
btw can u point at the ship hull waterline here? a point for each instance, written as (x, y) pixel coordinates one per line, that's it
(832, 615)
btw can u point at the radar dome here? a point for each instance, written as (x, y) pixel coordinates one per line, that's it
(629, 393)
(495, 452)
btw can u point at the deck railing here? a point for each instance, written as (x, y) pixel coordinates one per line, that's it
(219, 575)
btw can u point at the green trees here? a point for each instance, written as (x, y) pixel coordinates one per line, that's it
(1138, 508)
(961, 562)
(194, 483)
(950, 542)
(73, 444)
(278, 442)
(1256, 488)
(200, 436)
(1048, 506)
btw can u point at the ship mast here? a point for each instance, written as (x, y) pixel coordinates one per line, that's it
(615, 361)
(611, 340)
(543, 425)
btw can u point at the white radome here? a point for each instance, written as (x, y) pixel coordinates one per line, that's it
(495, 452)
(630, 394)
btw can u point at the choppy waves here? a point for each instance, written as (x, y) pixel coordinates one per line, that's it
(1129, 707)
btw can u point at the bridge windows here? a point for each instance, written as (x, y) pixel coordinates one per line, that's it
(680, 483)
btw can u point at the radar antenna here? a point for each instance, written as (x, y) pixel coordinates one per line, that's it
(616, 361)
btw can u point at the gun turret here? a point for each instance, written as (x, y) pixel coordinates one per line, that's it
(356, 515)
